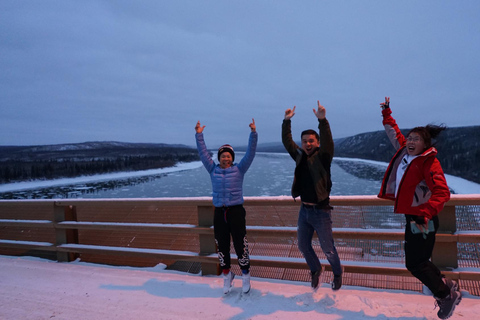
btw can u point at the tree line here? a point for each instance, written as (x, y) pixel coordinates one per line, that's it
(15, 170)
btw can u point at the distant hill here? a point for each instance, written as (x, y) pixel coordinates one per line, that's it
(20, 163)
(458, 149)
(85, 150)
(459, 154)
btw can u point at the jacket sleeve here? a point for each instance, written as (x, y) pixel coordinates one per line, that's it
(326, 139)
(391, 128)
(287, 140)
(207, 161)
(435, 180)
(250, 154)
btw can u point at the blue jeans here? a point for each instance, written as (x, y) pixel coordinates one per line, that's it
(311, 219)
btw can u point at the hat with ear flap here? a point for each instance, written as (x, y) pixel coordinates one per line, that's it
(226, 148)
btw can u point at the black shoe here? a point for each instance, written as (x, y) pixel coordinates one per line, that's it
(315, 278)
(337, 282)
(447, 305)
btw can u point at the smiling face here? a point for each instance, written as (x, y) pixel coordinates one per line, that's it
(415, 144)
(225, 160)
(309, 143)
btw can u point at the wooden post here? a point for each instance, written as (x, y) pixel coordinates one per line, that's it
(445, 254)
(64, 236)
(207, 241)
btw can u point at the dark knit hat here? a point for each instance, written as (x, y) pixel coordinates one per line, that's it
(226, 148)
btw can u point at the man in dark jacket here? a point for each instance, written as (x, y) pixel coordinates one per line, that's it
(312, 183)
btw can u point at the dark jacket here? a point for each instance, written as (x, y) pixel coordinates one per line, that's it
(318, 163)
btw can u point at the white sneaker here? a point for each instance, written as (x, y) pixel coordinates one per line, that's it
(246, 282)
(228, 281)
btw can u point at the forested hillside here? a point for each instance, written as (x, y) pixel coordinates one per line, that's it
(459, 154)
(20, 163)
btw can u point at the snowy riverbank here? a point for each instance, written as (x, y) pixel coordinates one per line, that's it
(459, 185)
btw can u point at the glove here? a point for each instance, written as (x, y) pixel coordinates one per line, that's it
(421, 220)
(386, 104)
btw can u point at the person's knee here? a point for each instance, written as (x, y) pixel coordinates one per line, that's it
(304, 246)
(416, 268)
(327, 247)
(330, 254)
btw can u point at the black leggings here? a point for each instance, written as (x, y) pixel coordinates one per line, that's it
(231, 221)
(418, 251)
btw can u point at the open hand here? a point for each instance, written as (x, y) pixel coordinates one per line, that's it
(386, 104)
(252, 125)
(320, 112)
(199, 128)
(289, 113)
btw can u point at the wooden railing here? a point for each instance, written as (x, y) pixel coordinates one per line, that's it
(59, 218)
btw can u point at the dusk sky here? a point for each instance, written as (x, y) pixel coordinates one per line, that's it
(147, 71)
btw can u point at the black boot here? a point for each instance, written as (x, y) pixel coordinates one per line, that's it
(337, 282)
(315, 278)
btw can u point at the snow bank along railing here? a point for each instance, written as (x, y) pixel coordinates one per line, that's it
(64, 225)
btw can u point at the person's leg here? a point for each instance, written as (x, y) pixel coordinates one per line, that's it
(236, 219)
(418, 251)
(222, 238)
(237, 222)
(322, 222)
(304, 237)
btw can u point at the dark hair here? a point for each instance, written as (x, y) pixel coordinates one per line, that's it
(310, 131)
(428, 133)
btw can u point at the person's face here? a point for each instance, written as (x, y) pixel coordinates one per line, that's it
(225, 160)
(309, 143)
(415, 144)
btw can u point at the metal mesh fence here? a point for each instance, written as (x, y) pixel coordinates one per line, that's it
(378, 251)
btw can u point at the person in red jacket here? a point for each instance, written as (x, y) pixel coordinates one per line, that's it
(415, 181)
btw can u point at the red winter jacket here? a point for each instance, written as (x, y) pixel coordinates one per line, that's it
(423, 190)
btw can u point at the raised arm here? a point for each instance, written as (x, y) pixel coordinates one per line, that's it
(326, 139)
(287, 139)
(247, 159)
(391, 128)
(207, 160)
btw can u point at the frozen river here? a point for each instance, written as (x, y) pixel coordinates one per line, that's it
(271, 174)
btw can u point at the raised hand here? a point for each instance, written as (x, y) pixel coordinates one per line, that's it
(320, 112)
(252, 125)
(289, 113)
(386, 104)
(199, 128)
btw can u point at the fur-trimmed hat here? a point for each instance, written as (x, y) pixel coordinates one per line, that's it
(226, 148)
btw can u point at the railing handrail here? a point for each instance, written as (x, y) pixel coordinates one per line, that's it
(370, 200)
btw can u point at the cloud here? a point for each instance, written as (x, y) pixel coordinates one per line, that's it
(146, 72)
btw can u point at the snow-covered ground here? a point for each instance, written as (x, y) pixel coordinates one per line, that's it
(34, 289)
